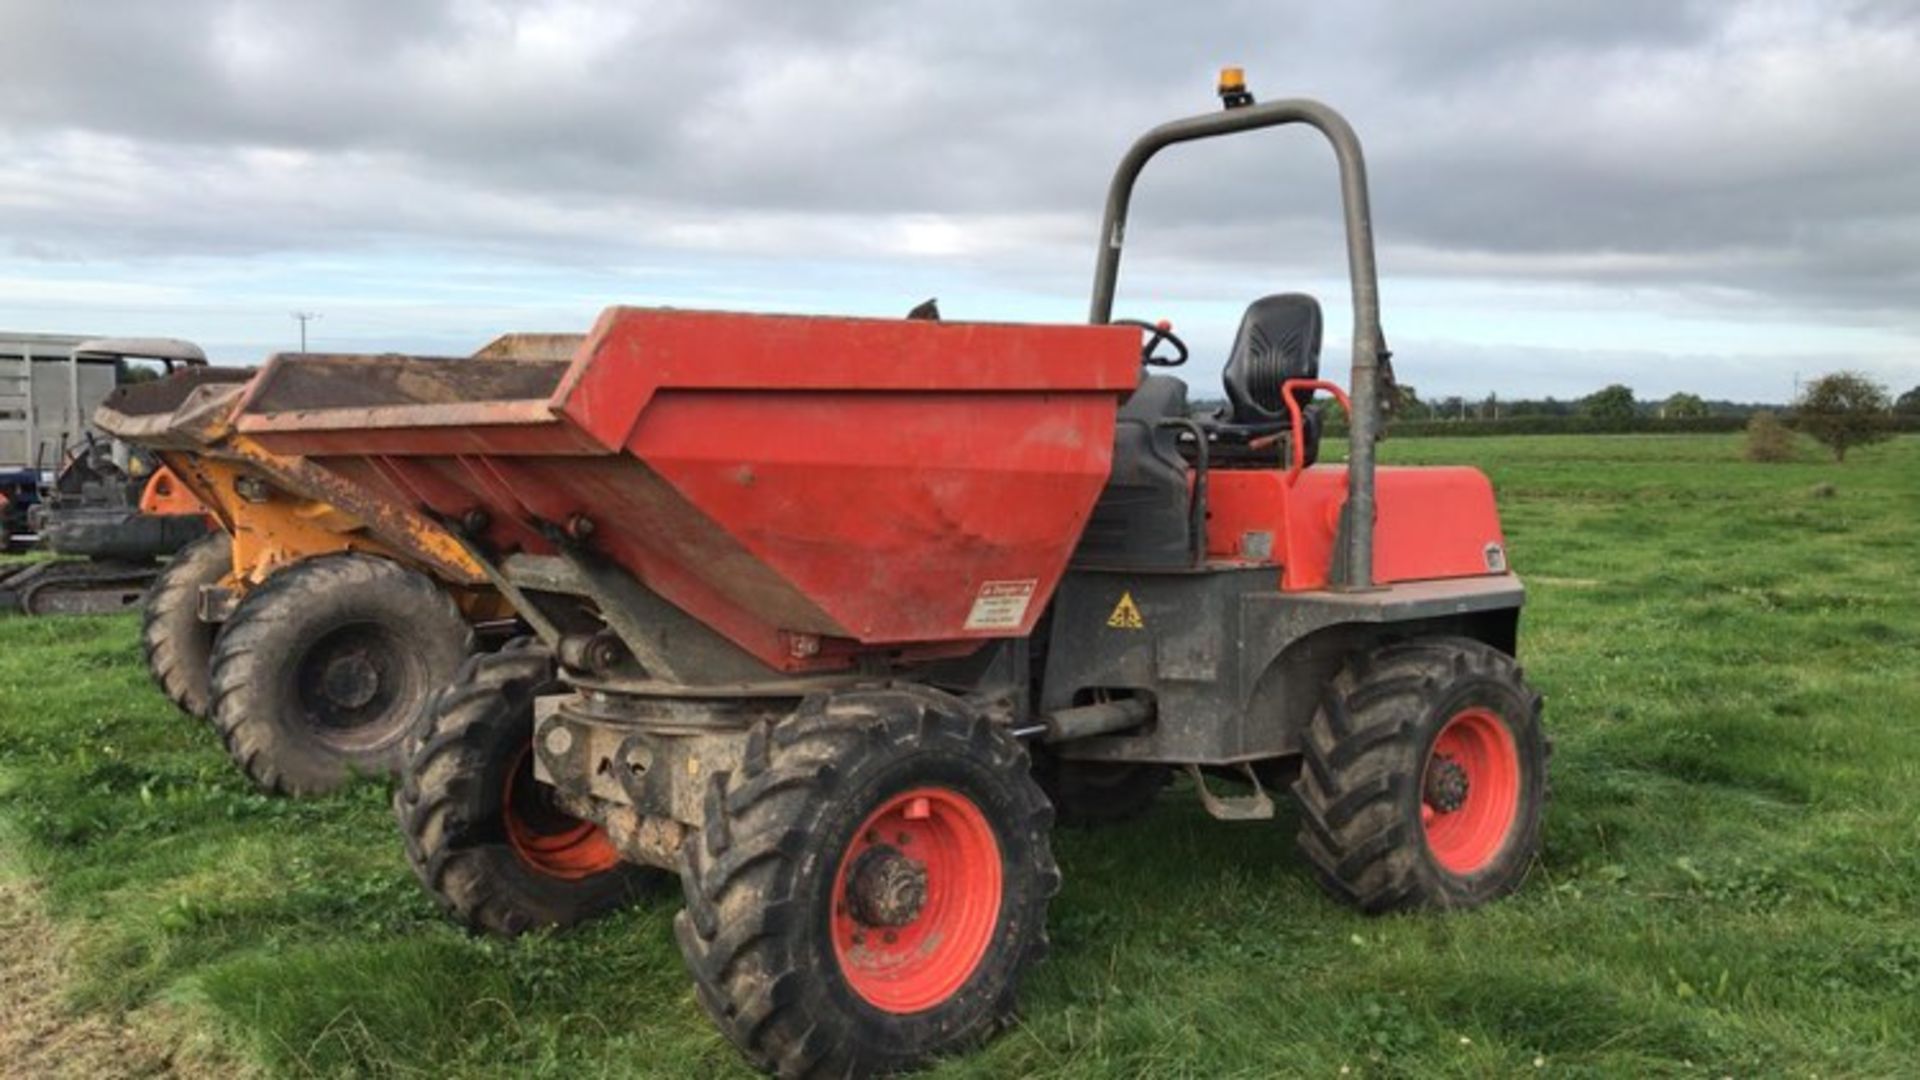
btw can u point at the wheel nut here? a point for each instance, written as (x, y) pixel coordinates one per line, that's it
(1446, 786)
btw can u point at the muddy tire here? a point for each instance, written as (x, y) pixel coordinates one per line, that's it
(868, 888)
(177, 644)
(324, 667)
(1424, 774)
(1092, 794)
(480, 832)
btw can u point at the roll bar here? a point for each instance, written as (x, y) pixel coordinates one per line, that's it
(1353, 567)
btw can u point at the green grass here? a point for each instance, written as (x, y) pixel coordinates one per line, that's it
(1731, 883)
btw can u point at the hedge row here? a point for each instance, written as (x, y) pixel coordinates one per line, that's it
(1582, 425)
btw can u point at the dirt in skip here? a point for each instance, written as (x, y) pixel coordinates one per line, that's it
(40, 1034)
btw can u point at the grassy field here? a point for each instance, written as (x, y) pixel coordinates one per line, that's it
(1731, 882)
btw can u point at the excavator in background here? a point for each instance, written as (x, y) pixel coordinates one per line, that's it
(111, 511)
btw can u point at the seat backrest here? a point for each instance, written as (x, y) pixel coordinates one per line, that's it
(1279, 339)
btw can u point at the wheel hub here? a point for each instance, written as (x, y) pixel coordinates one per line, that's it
(1446, 785)
(1471, 793)
(350, 681)
(544, 836)
(886, 888)
(909, 930)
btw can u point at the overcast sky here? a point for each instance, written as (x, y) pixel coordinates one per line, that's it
(1713, 197)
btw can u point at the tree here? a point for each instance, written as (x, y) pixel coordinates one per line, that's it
(1843, 410)
(1613, 404)
(1768, 440)
(1409, 406)
(1684, 406)
(1908, 403)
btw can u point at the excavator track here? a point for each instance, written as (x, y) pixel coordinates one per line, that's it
(74, 587)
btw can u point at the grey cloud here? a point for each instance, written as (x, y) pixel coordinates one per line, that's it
(1765, 150)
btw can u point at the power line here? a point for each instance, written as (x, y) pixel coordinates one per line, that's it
(304, 317)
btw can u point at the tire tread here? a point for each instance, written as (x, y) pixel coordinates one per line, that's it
(242, 662)
(1358, 757)
(177, 646)
(738, 871)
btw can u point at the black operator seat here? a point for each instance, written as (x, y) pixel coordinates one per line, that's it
(1279, 339)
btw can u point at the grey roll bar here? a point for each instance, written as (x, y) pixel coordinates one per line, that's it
(1368, 342)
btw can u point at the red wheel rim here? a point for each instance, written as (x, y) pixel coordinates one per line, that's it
(903, 956)
(1470, 791)
(547, 839)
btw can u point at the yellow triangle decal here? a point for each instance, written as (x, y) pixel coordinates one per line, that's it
(1126, 614)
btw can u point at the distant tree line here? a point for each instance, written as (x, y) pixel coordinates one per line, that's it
(1840, 410)
(1615, 402)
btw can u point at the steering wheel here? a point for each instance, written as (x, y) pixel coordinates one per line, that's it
(1157, 333)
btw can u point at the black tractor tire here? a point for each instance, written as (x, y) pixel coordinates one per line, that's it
(1092, 794)
(466, 792)
(178, 644)
(1424, 777)
(777, 926)
(325, 666)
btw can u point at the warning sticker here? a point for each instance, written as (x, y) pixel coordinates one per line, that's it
(1001, 605)
(1126, 614)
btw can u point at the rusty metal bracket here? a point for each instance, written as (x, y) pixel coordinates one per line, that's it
(543, 627)
(668, 643)
(216, 604)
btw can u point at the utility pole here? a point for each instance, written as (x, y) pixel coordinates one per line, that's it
(304, 317)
